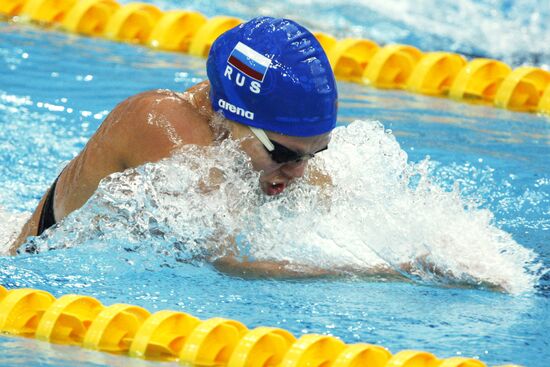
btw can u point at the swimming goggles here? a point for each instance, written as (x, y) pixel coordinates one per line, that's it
(279, 153)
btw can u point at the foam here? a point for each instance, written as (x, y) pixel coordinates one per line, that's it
(381, 212)
(10, 228)
(489, 29)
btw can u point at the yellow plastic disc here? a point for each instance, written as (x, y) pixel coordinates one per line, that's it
(11, 7)
(67, 320)
(544, 103)
(362, 355)
(326, 41)
(51, 11)
(263, 346)
(3, 293)
(114, 328)
(313, 351)
(122, 328)
(479, 79)
(391, 66)
(207, 34)
(435, 73)
(175, 30)
(212, 342)
(133, 22)
(90, 17)
(461, 362)
(413, 358)
(163, 335)
(22, 309)
(522, 89)
(350, 57)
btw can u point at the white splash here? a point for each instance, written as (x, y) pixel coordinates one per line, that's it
(500, 28)
(10, 228)
(380, 212)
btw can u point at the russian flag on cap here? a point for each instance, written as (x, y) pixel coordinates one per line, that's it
(249, 62)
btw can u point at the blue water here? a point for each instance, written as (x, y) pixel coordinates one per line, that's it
(479, 205)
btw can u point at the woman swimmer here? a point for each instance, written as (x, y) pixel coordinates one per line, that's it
(269, 78)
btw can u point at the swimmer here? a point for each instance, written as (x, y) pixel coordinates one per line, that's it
(269, 79)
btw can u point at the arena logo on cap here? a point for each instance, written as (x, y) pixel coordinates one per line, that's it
(237, 110)
(249, 62)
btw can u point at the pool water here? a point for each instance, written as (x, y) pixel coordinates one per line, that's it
(460, 193)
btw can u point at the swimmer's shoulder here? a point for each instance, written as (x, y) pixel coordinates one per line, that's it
(187, 113)
(151, 125)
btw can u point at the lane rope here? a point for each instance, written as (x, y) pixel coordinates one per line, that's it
(177, 336)
(444, 74)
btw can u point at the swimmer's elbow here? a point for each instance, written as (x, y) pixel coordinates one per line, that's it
(25, 233)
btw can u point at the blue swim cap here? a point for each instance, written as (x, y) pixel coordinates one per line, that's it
(273, 74)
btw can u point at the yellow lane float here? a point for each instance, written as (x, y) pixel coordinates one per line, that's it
(263, 346)
(349, 57)
(435, 72)
(544, 103)
(413, 358)
(133, 22)
(207, 34)
(326, 40)
(49, 11)
(3, 293)
(461, 362)
(177, 336)
(356, 60)
(68, 319)
(90, 17)
(114, 328)
(522, 89)
(163, 335)
(391, 66)
(22, 309)
(212, 342)
(362, 355)
(313, 351)
(479, 79)
(175, 30)
(11, 8)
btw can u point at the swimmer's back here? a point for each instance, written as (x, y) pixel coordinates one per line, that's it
(144, 128)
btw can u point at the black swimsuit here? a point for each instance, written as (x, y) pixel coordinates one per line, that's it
(47, 217)
(47, 220)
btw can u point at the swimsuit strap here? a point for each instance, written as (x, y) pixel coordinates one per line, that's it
(47, 217)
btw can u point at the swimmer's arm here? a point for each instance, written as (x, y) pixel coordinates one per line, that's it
(103, 154)
(30, 228)
(271, 269)
(268, 269)
(319, 178)
(230, 264)
(128, 137)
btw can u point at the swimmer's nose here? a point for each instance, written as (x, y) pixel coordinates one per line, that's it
(294, 169)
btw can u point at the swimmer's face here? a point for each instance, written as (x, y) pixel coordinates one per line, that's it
(275, 177)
